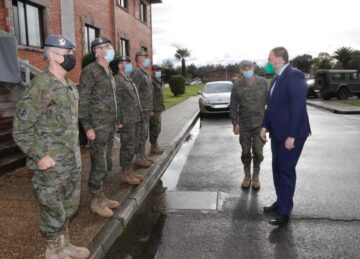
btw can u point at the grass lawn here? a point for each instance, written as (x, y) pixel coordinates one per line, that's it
(355, 102)
(190, 90)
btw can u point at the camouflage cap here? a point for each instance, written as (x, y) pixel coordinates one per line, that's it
(100, 40)
(58, 41)
(141, 53)
(246, 63)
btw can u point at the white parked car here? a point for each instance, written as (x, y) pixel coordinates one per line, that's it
(215, 97)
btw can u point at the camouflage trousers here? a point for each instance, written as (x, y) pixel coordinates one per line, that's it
(58, 193)
(252, 147)
(142, 133)
(127, 138)
(101, 158)
(155, 128)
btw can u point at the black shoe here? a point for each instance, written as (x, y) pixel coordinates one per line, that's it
(271, 208)
(279, 220)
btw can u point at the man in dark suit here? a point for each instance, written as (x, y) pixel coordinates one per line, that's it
(287, 121)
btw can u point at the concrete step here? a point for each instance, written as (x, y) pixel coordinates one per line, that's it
(8, 147)
(5, 135)
(12, 162)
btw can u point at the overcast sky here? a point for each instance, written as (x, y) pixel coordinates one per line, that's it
(228, 31)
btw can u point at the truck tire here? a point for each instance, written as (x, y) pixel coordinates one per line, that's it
(343, 93)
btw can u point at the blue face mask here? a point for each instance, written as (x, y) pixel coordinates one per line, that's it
(109, 56)
(248, 74)
(158, 74)
(128, 68)
(146, 62)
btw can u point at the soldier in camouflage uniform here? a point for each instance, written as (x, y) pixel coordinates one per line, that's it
(46, 129)
(247, 107)
(159, 107)
(97, 115)
(129, 116)
(143, 82)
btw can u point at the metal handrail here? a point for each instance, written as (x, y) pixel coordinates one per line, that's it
(28, 70)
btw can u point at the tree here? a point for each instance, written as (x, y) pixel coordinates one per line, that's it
(181, 54)
(355, 60)
(323, 61)
(303, 62)
(343, 55)
(167, 70)
(193, 71)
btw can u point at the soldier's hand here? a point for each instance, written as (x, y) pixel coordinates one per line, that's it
(46, 162)
(263, 134)
(236, 129)
(90, 134)
(120, 126)
(151, 114)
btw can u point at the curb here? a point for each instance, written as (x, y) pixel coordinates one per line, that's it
(113, 228)
(333, 110)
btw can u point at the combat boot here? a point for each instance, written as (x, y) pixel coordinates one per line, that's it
(99, 206)
(54, 249)
(128, 178)
(134, 174)
(156, 150)
(111, 204)
(148, 159)
(255, 179)
(140, 161)
(72, 250)
(247, 178)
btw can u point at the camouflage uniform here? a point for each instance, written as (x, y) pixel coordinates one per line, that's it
(155, 121)
(98, 111)
(145, 89)
(46, 123)
(129, 116)
(247, 107)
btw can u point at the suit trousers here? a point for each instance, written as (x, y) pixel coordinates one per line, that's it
(284, 173)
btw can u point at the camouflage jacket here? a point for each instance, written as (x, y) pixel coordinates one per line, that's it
(97, 105)
(46, 122)
(128, 100)
(145, 88)
(247, 103)
(158, 95)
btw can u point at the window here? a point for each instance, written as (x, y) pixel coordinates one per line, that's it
(124, 47)
(90, 34)
(27, 24)
(123, 3)
(143, 14)
(353, 76)
(338, 76)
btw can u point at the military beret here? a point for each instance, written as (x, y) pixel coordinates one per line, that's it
(246, 63)
(120, 59)
(141, 53)
(155, 68)
(100, 40)
(58, 41)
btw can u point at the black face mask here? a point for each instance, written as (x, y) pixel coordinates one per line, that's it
(69, 62)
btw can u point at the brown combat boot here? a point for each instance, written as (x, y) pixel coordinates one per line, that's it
(255, 179)
(156, 150)
(247, 178)
(99, 206)
(148, 159)
(111, 204)
(133, 173)
(54, 249)
(72, 250)
(128, 178)
(140, 161)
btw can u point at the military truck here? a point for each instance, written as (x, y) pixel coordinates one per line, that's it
(338, 83)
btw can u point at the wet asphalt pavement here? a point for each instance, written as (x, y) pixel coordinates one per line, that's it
(229, 223)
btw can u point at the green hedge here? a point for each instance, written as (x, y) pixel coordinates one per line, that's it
(177, 85)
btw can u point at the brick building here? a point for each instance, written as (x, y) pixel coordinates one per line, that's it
(128, 23)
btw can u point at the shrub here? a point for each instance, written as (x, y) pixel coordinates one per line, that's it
(177, 85)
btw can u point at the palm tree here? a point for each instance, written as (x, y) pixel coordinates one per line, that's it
(181, 54)
(344, 55)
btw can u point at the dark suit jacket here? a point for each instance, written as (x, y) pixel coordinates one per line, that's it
(286, 114)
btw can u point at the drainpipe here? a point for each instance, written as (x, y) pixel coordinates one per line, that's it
(114, 23)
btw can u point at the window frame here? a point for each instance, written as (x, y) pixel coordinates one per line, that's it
(143, 12)
(127, 46)
(17, 24)
(87, 28)
(126, 4)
